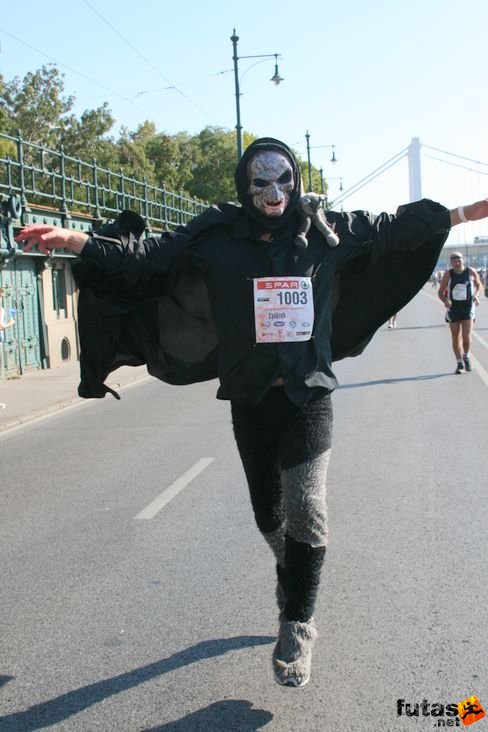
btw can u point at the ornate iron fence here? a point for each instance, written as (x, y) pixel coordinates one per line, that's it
(43, 177)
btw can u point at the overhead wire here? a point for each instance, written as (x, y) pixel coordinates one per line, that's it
(455, 155)
(370, 177)
(458, 165)
(146, 60)
(184, 83)
(73, 71)
(140, 92)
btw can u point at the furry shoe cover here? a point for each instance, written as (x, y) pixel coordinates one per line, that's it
(292, 656)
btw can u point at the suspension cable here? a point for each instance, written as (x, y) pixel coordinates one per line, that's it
(370, 177)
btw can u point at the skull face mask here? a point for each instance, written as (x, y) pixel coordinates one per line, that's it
(270, 176)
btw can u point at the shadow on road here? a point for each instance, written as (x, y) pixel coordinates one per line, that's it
(418, 327)
(62, 707)
(232, 714)
(425, 377)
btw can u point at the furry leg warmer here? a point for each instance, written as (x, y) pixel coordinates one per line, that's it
(292, 656)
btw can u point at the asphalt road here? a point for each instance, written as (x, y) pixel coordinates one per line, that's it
(136, 593)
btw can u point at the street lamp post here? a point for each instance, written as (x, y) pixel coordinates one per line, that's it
(276, 79)
(322, 185)
(307, 137)
(341, 187)
(332, 160)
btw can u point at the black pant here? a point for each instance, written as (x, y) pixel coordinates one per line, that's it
(285, 450)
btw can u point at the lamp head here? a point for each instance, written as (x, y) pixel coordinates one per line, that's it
(276, 78)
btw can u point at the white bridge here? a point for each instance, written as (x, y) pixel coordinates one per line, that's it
(476, 251)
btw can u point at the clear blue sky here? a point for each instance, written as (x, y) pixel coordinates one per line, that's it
(366, 77)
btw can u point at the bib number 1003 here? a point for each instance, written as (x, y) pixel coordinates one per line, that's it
(292, 298)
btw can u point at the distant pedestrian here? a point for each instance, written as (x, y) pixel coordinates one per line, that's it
(459, 290)
(4, 324)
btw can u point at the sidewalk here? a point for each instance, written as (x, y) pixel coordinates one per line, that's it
(41, 392)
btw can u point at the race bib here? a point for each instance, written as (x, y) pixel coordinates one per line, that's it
(459, 292)
(283, 309)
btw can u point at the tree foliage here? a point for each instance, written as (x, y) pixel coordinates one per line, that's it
(36, 107)
(87, 138)
(200, 165)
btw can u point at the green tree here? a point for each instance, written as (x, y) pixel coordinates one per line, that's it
(35, 106)
(7, 148)
(4, 114)
(163, 151)
(131, 155)
(86, 138)
(188, 155)
(315, 175)
(213, 173)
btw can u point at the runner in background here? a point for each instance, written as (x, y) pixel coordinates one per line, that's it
(460, 291)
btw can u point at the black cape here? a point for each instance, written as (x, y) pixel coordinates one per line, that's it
(168, 326)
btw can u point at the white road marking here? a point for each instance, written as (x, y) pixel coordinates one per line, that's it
(480, 339)
(478, 368)
(171, 491)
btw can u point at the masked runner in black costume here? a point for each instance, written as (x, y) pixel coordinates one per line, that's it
(252, 294)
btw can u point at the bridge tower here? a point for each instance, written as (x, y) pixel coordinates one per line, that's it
(414, 175)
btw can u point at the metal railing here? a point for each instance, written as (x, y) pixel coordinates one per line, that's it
(69, 185)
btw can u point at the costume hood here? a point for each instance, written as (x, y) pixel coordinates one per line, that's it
(267, 223)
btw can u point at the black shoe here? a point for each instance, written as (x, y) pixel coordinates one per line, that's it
(460, 367)
(467, 363)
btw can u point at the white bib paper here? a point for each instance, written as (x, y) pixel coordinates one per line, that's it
(283, 309)
(459, 292)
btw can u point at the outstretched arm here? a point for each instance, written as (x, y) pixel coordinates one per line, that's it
(142, 258)
(417, 222)
(47, 238)
(472, 212)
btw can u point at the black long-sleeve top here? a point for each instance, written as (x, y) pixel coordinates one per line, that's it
(379, 264)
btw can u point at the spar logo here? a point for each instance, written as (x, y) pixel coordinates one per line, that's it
(466, 712)
(278, 285)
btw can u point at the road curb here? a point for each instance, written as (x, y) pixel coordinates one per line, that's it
(57, 406)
